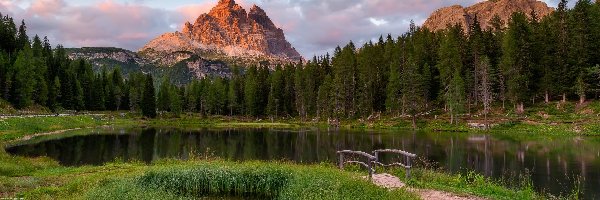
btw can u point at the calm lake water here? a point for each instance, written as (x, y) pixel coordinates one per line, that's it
(554, 164)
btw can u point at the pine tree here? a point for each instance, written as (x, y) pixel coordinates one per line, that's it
(394, 88)
(324, 98)
(274, 105)
(176, 100)
(22, 38)
(344, 81)
(163, 103)
(78, 103)
(485, 85)
(450, 61)
(148, 99)
(299, 85)
(413, 91)
(251, 92)
(581, 87)
(23, 80)
(366, 79)
(456, 95)
(516, 60)
(118, 87)
(54, 94)
(234, 91)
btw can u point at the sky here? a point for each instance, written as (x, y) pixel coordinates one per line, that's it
(313, 27)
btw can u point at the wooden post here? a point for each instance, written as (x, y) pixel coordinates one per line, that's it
(408, 166)
(376, 160)
(341, 164)
(370, 166)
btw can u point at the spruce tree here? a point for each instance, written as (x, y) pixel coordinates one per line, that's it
(251, 92)
(516, 60)
(413, 91)
(274, 105)
(324, 98)
(455, 97)
(394, 88)
(450, 61)
(22, 38)
(23, 81)
(148, 102)
(163, 103)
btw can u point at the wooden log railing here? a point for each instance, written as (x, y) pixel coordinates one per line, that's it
(407, 158)
(373, 160)
(368, 164)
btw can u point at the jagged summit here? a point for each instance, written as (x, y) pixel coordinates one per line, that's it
(230, 30)
(485, 11)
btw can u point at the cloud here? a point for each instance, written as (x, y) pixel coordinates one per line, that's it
(191, 12)
(105, 23)
(312, 26)
(378, 22)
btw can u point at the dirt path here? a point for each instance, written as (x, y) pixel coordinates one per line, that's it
(391, 182)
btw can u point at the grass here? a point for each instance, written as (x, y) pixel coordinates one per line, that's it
(17, 127)
(470, 183)
(170, 179)
(43, 178)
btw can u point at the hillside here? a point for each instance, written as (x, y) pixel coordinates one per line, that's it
(485, 12)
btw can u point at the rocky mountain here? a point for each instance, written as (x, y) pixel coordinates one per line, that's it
(485, 11)
(226, 36)
(228, 33)
(182, 68)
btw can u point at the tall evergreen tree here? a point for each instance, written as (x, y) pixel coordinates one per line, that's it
(455, 97)
(516, 60)
(413, 91)
(23, 84)
(148, 99)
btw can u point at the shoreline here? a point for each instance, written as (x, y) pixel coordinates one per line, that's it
(50, 165)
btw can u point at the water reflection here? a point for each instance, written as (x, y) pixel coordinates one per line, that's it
(553, 164)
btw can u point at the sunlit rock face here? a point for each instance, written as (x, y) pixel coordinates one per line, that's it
(485, 12)
(227, 30)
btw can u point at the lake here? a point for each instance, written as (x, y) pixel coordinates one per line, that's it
(553, 163)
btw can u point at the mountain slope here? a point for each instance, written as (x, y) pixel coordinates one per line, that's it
(226, 33)
(485, 12)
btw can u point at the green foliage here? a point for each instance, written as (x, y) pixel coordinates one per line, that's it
(16, 127)
(264, 182)
(248, 180)
(148, 102)
(419, 73)
(516, 60)
(469, 183)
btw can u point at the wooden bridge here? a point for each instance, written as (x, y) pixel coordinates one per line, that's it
(373, 160)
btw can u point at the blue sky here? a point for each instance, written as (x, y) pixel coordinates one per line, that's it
(312, 26)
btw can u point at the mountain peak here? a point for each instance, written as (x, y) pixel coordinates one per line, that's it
(484, 11)
(230, 30)
(257, 10)
(228, 3)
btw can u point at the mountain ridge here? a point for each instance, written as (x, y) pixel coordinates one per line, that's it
(485, 12)
(231, 31)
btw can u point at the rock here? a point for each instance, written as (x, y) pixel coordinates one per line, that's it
(229, 30)
(485, 12)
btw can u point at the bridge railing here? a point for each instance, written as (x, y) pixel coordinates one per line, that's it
(368, 164)
(407, 165)
(373, 160)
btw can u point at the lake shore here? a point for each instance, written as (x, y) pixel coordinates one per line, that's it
(560, 119)
(43, 177)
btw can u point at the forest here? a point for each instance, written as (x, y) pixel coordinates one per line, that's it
(508, 66)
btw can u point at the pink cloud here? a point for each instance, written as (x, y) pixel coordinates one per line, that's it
(191, 12)
(46, 7)
(312, 26)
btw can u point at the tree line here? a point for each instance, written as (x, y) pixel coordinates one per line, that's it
(32, 73)
(509, 65)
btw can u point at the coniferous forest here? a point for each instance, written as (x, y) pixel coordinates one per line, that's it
(510, 66)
